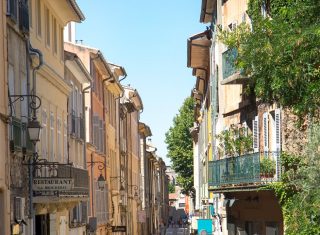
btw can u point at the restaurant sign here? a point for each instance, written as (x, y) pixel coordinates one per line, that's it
(52, 184)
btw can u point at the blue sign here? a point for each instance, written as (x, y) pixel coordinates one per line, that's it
(204, 226)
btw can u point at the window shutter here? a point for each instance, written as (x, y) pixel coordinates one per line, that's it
(44, 135)
(255, 134)
(52, 137)
(65, 142)
(278, 129)
(265, 133)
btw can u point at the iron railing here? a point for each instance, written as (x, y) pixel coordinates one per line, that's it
(246, 169)
(228, 62)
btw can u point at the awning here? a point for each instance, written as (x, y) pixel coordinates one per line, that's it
(198, 51)
(207, 8)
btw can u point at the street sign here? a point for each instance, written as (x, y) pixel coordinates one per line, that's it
(119, 229)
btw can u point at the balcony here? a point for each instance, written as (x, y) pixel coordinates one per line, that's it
(247, 170)
(230, 73)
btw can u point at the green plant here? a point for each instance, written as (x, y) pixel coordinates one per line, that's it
(267, 166)
(236, 141)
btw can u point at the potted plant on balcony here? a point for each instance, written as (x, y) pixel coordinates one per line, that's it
(267, 167)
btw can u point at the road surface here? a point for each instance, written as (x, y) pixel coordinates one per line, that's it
(177, 231)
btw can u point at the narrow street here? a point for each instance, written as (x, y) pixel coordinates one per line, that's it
(178, 231)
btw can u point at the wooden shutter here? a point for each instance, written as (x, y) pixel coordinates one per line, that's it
(255, 134)
(265, 132)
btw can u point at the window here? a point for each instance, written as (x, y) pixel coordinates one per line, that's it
(52, 138)
(47, 25)
(30, 13)
(17, 208)
(11, 83)
(55, 36)
(12, 6)
(78, 215)
(44, 134)
(38, 9)
(61, 44)
(65, 141)
(59, 140)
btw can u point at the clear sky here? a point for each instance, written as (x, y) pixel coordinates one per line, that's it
(149, 39)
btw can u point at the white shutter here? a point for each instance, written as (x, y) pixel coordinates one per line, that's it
(265, 132)
(255, 134)
(65, 142)
(11, 84)
(44, 135)
(59, 141)
(52, 137)
(277, 125)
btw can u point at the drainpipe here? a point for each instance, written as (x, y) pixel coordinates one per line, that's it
(34, 51)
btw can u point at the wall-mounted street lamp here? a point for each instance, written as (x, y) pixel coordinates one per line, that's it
(122, 190)
(135, 188)
(34, 128)
(101, 166)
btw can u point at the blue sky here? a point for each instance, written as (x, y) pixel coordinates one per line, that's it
(149, 39)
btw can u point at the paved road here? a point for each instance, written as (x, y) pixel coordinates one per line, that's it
(177, 231)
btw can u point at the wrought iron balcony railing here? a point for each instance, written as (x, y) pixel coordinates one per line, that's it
(247, 169)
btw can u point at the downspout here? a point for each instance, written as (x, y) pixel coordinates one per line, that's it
(33, 51)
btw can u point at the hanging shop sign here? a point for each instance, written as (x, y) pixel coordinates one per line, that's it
(119, 229)
(52, 184)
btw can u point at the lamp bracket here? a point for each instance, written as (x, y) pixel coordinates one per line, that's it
(34, 104)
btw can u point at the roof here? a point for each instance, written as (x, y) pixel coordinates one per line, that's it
(77, 9)
(70, 56)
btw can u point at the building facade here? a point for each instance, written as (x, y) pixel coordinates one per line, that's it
(78, 77)
(47, 20)
(237, 139)
(4, 149)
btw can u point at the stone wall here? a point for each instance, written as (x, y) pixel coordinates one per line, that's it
(294, 137)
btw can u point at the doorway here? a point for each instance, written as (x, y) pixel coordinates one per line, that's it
(43, 224)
